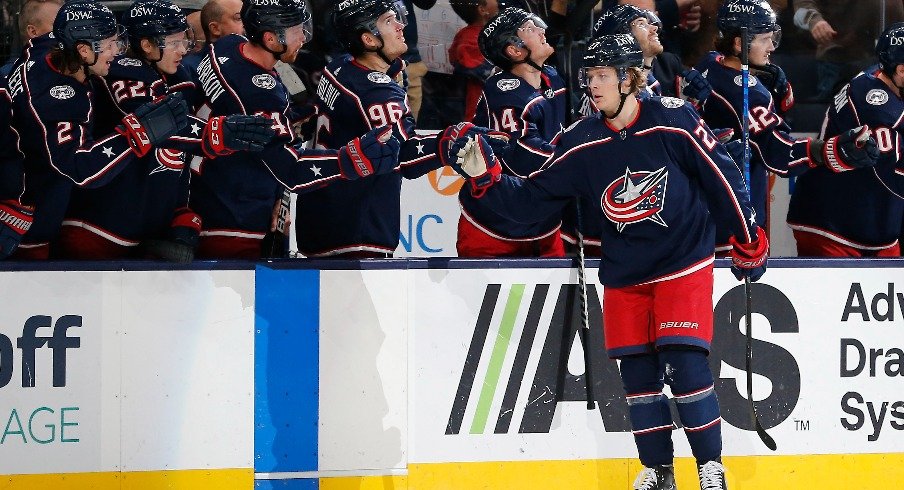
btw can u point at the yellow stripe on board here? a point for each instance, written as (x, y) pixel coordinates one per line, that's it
(218, 479)
(826, 472)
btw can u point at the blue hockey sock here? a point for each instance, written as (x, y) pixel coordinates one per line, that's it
(648, 409)
(688, 374)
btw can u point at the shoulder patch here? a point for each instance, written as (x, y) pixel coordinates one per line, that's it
(876, 96)
(264, 81)
(62, 92)
(507, 84)
(671, 102)
(378, 77)
(751, 80)
(129, 62)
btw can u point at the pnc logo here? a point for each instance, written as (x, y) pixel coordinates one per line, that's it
(445, 181)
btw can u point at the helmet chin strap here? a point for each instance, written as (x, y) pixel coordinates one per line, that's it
(281, 39)
(380, 52)
(544, 85)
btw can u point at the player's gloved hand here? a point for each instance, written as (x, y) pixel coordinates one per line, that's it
(853, 149)
(477, 164)
(154, 122)
(224, 135)
(773, 77)
(15, 220)
(724, 135)
(452, 140)
(749, 259)
(181, 240)
(375, 153)
(695, 86)
(735, 149)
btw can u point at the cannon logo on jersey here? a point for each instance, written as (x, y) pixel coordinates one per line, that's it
(635, 197)
(507, 84)
(62, 92)
(876, 96)
(129, 62)
(671, 102)
(378, 77)
(751, 81)
(264, 81)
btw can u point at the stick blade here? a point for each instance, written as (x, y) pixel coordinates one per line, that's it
(764, 436)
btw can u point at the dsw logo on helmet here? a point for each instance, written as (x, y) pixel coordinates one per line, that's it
(78, 15)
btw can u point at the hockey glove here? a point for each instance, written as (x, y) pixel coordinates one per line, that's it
(851, 150)
(224, 135)
(375, 153)
(749, 259)
(152, 123)
(773, 77)
(182, 239)
(695, 86)
(15, 220)
(724, 135)
(477, 164)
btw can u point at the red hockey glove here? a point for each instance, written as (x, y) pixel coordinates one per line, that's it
(375, 153)
(749, 259)
(16, 219)
(154, 122)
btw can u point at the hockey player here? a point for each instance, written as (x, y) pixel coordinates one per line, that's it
(526, 100)
(360, 219)
(859, 213)
(235, 194)
(146, 204)
(772, 148)
(15, 218)
(53, 112)
(660, 176)
(665, 75)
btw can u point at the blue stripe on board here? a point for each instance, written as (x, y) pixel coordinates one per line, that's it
(297, 484)
(286, 375)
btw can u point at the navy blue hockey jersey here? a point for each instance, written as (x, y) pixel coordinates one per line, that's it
(772, 149)
(360, 215)
(656, 182)
(12, 170)
(862, 208)
(140, 202)
(53, 114)
(235, 194)
(533, 118)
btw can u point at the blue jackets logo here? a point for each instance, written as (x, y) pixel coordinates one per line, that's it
(636, 197)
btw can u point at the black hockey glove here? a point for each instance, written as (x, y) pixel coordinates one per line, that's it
(15, 220)
(773, 77)
(224, 135)
(181, 241)
(375, 153)
(152, 123)
(850, 150)
(749, 259)
(695, 86)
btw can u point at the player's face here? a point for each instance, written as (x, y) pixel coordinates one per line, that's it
(295, 39)
(534, 38)
(104, 52)
(761, 47)
(175, 46)
(393, 35)
(647, 35)
(603, 85)
(231, 22)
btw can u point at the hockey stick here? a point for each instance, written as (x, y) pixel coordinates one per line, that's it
(748, 320)
(276, 243)
(584, 333)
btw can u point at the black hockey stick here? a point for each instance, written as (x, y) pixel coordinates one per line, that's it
(573, 24)
(748, 317)
(276, 243)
